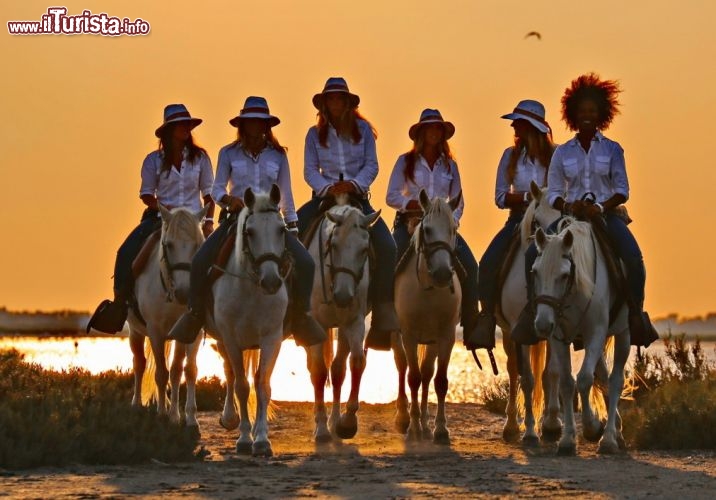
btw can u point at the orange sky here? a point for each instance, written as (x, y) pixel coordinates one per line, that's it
(80, 113)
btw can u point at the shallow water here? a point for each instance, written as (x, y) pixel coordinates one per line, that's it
(290, 381)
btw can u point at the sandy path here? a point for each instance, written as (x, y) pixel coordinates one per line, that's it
(378, 464)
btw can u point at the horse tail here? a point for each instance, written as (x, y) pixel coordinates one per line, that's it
(538, 362)
(251, 364)
(422, 350)
(599, 393)
(149, 384)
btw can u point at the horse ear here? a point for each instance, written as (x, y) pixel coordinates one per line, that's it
(335, 218)
(540, 239)
(535, 191)
(568, 240)
(166, 214)
(249, 198)
(199, 216)
(424, 200)
(369, 220)
(275, 194)
(455, 202)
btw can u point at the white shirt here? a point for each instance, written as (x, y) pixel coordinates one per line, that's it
(442, 181)
(240, 170)
(357, 162)
(573, 172)
(177, 188)
(526, 171)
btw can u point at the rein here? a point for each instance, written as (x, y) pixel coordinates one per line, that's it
(170, 267)
(427, 250)
(324, 252)
(282, 260)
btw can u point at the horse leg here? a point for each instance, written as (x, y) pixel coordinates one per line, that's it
(411, 353)
(402, 418)
(527, 384)
(319, 375)
(229, 419)
(348, 424)
(242, 389)
(139, 363)
(262, 382)
(442, 435)
(551, 422)
(592, 427)
(612, 440)
(175, 373)
(190, 375)
(338, 375)
(427, 370)
(511, 429)
(161, 375)
(561, 361)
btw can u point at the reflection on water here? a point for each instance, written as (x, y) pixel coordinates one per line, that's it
(290, 381)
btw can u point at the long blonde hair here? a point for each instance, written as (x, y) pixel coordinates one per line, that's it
(537, 146)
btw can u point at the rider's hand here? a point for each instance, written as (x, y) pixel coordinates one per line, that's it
(235, 205)
(413, 205)
(578, 208)
(342, 187)
(592, 211)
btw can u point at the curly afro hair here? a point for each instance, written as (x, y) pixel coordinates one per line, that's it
(604, 93)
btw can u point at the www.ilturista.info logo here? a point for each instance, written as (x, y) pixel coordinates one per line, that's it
(57, 22)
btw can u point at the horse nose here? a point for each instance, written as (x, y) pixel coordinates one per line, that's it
(543, 327)
(342, 298)
(442, 276)
(181, 295)
(270, 283)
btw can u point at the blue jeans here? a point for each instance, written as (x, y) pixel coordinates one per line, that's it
(492, 259)
(381, 283)
(129, 250)
(466, 258)
(303, 270)
(627, 250)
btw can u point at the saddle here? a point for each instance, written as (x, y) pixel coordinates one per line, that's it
(508, 259)
(222, 256)
(140, 261)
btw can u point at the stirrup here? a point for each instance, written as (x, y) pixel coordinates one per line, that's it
(482, 335)
(109, 317)
(186, 329)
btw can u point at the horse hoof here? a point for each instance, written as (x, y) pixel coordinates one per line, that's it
(323, 438)
(567, 451)
(229, 426)
(442, 438)
(510, 435)
(401, 426)
(244, 448)
(530, 441)
(193, 432)
(426, 435)
(551, 435)
(262, 449)
(594, 436)
(621, 443)
(347, 426)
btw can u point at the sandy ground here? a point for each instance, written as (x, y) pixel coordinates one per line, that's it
(378, 463)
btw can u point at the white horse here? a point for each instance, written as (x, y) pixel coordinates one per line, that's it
(531, 361)
(571, 281)
(340, 248)
(161, 290)
(427, 301)
(250, 300)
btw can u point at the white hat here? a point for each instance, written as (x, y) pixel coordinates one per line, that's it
(176, 113)
(335, 84)
(255, 107)
(431, 116)
(533, 112)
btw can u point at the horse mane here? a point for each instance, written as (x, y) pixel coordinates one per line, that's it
(526, 223)
(582, 252)
(183, 223)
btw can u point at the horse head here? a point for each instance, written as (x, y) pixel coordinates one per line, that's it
(261, 240)
(539, 213)
(347, 250)
(436, 236)
(180, 240)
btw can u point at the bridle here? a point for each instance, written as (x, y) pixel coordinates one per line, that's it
(428, 249)
(282, 261)
(558, 305)
(326, 253)
(170, 267)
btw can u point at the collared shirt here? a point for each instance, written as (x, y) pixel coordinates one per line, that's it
(357, 162)
(443, 181)
(240, 170)
(574, 172)
(177, 188)
(526, 171)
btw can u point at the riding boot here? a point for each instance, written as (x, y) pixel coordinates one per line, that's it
(110, 315)
(383, 323)
(482, 335)
(306, 330)
(641, 330)
(524, 330)
(187, 327)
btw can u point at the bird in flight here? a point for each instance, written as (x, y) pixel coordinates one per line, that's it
(535, 34)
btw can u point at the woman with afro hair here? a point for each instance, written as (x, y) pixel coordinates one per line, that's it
(587, 179)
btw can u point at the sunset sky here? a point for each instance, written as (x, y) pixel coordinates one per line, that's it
(79, 114)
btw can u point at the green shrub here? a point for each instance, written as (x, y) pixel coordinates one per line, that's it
(55, 418)
(494, 396)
